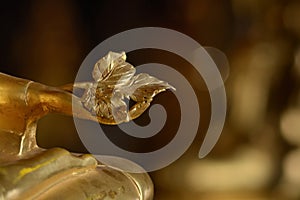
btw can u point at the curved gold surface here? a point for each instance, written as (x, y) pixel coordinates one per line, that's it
(29, 172)
(57, 174)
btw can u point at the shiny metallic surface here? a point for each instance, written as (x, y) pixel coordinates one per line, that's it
(30, 172)
(114, 81)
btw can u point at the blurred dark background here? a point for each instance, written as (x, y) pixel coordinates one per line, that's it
(257, 156)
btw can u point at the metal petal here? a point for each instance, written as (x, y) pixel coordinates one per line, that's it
(112, 69)
(145, 87)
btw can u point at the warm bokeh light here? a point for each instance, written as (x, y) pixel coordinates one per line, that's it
(290, 126)
(257, 156)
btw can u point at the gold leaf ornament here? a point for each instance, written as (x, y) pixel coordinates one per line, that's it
(115, 80)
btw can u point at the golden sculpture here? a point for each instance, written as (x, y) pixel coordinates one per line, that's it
(29, 172)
